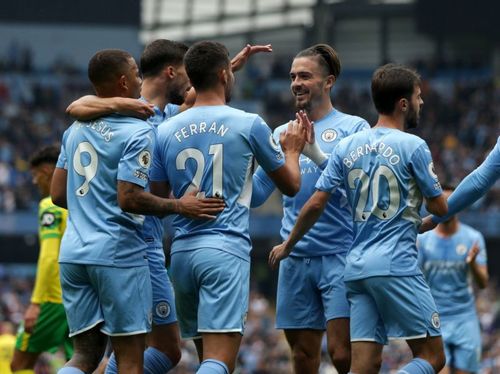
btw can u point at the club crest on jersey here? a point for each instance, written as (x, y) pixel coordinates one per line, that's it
(329, 135)
(47, 219)
(461, 249)
(436, 322)
(145, 159)
(162, 309)
(432, 171)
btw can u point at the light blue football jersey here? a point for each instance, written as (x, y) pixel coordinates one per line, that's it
(212, 149)
(153, 228)
(385, 172)
(332, 233)
(96, 155)
(442, 260)
(475, 185)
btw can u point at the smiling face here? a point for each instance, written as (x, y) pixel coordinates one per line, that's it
(309, 83)
(133, 80)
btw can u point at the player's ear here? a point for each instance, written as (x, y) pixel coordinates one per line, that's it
(123, 82)
(169, 71)
(403, 104)
(330, 81)
(223, 76)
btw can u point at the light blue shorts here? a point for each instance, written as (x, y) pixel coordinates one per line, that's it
(388, 307)
(163, 294)
(119, 298)
(311, 291)
(462, 342)
(211, 288)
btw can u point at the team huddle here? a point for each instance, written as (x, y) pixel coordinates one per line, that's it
(350, 263)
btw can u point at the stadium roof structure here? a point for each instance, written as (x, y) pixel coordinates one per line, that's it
(198, 19)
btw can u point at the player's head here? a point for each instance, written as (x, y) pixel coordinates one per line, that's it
(165, 58)
(42, 165)
(113, 72)
(313, 74)
(208, 67)
(396, 88)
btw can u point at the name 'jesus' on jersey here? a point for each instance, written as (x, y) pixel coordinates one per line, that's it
(385, 172)
(212, 149)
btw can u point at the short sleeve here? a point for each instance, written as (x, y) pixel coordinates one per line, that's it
(331, 177)
(423, 171)
(62, 160)
(158, 172)
(137, 158)
(265, 148)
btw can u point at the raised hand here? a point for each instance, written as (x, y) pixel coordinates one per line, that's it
(242, 57)
(472, 255)
(191, 206)
(293, 139)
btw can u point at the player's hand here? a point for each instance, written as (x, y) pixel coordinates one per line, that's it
(307, 124)
(30, 317)
(472, 255)
(242, 57)
(134, 108)
(427, 225)
(293, 139)
(191, 206)
(277, 254)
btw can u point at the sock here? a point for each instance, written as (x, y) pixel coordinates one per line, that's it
(112, 367)
(156, 362)
(417, 366)
(70, 370)
(24, 371)
(211, 366)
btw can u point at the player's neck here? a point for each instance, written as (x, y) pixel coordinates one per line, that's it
(449, 227)
(154, 94)
(317, 113)
(210, 98)
(391, 121)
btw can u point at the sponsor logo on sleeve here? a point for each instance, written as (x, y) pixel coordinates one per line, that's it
(145, 159)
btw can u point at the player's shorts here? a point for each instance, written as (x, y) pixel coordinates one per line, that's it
(462, 342)
(311, 291)
(212, 289)
(119, 298)
(388, 307)
(163, 294)
(50, 332)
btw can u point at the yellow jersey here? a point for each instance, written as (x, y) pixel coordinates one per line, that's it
(7, 343)
(51, 226)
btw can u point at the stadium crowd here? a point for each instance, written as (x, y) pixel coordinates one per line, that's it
(264, 349)
(460, 119)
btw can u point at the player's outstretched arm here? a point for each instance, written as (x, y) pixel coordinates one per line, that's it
(308, 216)
(241, 58)
(58, 187)
(132, 198)
(90, 107)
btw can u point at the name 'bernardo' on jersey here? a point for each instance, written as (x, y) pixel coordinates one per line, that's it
(101, 127)
(200, 128)
(365, 149)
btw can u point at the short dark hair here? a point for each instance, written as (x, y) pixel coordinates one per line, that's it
(327, 58)
(46, 155)
(390, 83)
(160, 53)
(203, 60)
(107, 65)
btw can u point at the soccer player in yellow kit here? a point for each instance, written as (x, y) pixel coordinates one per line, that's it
(7, 342)
(45, 327)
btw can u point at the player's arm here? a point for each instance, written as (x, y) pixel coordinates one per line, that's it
(241, 58)
(262, 188)
(90, 107)
(58, 187)
(308, 216)
(436, 205)
(476, 258)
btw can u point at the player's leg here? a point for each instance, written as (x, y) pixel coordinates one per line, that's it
(84, 317)
(224, 281)
(126, 301)
(409, 312)
(50, 332)
(299, 311)
(337, 310)
(89, 347)
(163, 351)
(367, 329)
(306, 349)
